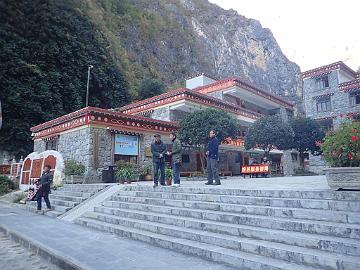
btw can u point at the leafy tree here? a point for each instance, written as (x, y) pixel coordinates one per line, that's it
(46, 47)
(195, 128)
(306, 133)
(150, 88)
(269, 132)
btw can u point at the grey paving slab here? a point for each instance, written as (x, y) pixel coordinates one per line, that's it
(92, 249)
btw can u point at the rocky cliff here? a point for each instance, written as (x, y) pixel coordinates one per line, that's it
(174, 39)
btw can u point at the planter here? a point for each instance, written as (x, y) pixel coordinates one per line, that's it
(148, 177)
(168, 182)
(74, 179)
(343, 177)
(128, 181)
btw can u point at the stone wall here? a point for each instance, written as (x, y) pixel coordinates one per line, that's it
(177, 116)
(161, 114)
(340, 102)
(39, 146)
(317, 164)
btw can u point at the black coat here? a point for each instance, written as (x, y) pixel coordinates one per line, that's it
(213, 148)
(46, 180)
(156, 150)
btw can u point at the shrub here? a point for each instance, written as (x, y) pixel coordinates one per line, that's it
(341, 148)
(6, 185)
(72, 167)
(127, 171)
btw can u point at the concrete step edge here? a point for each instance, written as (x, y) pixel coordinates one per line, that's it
(335, 258)
(207, 250)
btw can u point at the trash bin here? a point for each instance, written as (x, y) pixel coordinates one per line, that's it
(108, 175)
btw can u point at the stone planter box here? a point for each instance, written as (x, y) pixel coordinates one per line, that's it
(343, 177)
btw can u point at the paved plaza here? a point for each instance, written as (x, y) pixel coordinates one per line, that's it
(89, 249)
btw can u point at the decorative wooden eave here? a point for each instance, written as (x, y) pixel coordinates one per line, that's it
(187, 95)
(328, 68)
(102, 117)
(323, 96)
(350, 85)
(235, 81)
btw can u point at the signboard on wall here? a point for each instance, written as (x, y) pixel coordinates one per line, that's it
(126, 145)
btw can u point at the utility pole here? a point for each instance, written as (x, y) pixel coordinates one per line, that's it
(87, 86)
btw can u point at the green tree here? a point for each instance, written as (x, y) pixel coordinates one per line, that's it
(306, 133)
(195, 128)
(269, 132)
(150, 88)
(46, 47)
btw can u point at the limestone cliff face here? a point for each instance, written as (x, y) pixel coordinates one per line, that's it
(175, 39)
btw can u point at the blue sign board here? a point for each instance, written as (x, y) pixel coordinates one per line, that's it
(126, 145)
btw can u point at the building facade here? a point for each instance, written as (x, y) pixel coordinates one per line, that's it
(243, 101)
(98, 138)
(330, 93)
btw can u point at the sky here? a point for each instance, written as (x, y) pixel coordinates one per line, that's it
(312, 33)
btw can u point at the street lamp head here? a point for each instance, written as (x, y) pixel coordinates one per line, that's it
(91, 66)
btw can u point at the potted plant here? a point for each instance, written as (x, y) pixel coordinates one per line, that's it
(74, 171)
(341, 150)
(168, 176)
(149, 173)
(126, 172)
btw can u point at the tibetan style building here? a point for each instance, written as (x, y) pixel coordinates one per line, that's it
(98, 137)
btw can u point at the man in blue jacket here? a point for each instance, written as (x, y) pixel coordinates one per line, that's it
(213, 160)
(158, 150)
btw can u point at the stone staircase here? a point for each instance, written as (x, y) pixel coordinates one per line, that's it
(67, 197)
(246, 229)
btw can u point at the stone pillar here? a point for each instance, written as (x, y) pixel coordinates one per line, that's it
(287, 163)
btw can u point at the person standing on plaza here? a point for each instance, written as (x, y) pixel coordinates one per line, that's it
(44, 188)
(175, 154)
(158, 150)
(213, 160)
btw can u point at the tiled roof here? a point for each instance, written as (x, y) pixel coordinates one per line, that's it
(327, 68)
(89, 110)
(235, 81)
(350, 85)
(189, 95)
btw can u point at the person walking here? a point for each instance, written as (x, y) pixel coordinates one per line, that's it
(44, 188)
(175, 154)
(213, 160)
(158, 150)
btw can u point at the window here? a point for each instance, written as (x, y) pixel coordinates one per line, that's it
(51, 145)
(294, 157)
(323, 105)
(185, 158)
(322, 82)
(355, 98)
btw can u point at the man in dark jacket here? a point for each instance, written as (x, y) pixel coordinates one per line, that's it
(44, 190)
(158, 150)
(175, 154)
(213, 160)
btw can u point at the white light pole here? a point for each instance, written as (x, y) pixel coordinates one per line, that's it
(87, 86)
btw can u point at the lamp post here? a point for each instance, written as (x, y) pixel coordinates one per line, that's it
(87, 86)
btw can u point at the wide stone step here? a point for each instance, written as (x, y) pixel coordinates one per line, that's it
(204, 219)
(326, 195)
(241, 260)
(297, 213)
(70, 204)
(303, 256)
(72, 194)
(351, 206)
(56, 196)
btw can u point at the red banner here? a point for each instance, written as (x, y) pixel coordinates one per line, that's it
(262, 168)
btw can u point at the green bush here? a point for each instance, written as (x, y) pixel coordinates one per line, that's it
(127, 171)
(72, 167)
(341, 148)
(6, 185)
